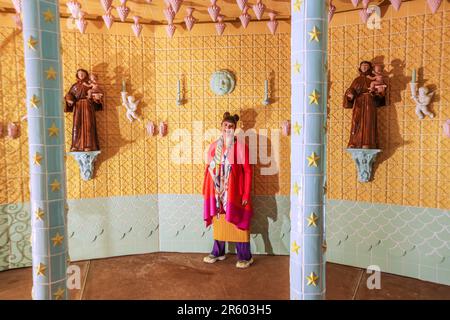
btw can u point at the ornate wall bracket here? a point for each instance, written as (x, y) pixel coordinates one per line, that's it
(364, 159)
(222, 82)
(86, 163)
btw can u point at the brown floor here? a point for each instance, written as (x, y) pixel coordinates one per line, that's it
(185, 276)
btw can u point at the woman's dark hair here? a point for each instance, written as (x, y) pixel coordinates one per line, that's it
(83, 70)
(229, 118)
(366, 62)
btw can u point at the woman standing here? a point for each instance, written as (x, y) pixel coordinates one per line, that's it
(226, 191)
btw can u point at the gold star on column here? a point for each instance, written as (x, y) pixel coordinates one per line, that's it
(297, 5)
(35, 101)
(314, 34)
(51, 73)
(57, 239)
(55, 185)
(59, 294)
(313, 159)
(314, 97)
(39, 214)
(53, 130)
(40, 269)
(296, 188)
(297, 128)
(37, 159)
(297, 67)
(295, 247)
(312, 278)
(48, 16)
(312, 219)
(32, 43)
(324, 246)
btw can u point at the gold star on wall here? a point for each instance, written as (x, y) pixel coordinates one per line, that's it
(297, 67)
(59, 294)
(32, 43)
(34, 101)
(37, 159)
(53, 130)
(312, 220)
(295, 247)
(51, 73)
(39, 214)
(48, 16)
(40, 269)
(314, 97)
(296, 188)
(297, 128)
(312, 279)
(314, 34)
(55, 185)
(313, 159)
(297, 5)
(57, 239)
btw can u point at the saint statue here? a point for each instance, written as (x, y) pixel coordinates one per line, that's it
(365, 94)
(83, 99)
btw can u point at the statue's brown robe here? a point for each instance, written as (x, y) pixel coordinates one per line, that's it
(84, 131)
(363, 133)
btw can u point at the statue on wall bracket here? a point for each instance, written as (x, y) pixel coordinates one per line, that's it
(83, 99)
(366, 93)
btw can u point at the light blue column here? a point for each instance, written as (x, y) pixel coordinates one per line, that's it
(309, 24)
(41, 34)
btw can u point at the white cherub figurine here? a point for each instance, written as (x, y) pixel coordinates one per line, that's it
(130, 103)
(422, 100)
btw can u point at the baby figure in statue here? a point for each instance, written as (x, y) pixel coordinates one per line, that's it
(94, 92)
(377, 84)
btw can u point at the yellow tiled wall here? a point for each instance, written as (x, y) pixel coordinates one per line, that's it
(131, 163)
(414, 166)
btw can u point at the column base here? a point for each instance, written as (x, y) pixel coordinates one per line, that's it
(86, 163)
(364, 159)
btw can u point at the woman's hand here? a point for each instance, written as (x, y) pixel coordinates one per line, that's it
(244, 203)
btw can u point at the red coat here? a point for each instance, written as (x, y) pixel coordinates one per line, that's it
(239, 188)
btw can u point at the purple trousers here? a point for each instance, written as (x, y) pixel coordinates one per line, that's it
(242, 248)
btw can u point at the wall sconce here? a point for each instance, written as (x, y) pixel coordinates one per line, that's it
(150, 127)
(162, 129)
(286, 127)
(447, 128)
(266, 100)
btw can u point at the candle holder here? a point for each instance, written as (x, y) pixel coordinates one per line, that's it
(266, 100)
(179, 94)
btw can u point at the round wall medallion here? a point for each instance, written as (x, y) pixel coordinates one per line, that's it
(222, 82)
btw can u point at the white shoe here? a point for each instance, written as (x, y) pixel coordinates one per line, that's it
(211, 258)
(242, 264)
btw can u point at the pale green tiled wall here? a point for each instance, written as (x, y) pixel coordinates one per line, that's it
(407, 241)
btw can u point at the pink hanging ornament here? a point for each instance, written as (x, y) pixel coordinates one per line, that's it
(245, 17)
(364, 15)
(258, 9)
(272, 24)
(189, 20)
(434, 5)
(241, 4)
(214, 10)
(74, 8)
(106, 4)
(149, 1)
(162, 129)
(108, 18)
(286, 127)
(169, 14)
(447, 128)
(13, 130)
(175, 4)
(137, 27)
(17, 21)
(355, 3)
(170, 29)
(331, 11)
(150, 127)
(220, 26)
(17, 5)
(396, 4)
(123, 10)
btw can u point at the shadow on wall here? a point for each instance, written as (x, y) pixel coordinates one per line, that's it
(263, 184)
